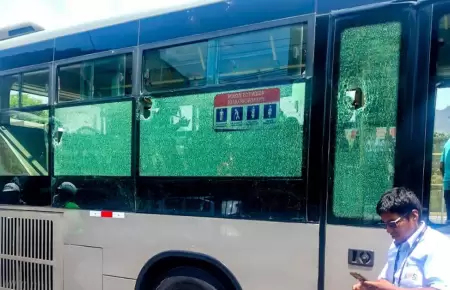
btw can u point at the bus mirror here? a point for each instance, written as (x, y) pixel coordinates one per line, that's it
(356, 97)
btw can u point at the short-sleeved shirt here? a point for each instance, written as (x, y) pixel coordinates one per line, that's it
(425, 267)
(445, 158)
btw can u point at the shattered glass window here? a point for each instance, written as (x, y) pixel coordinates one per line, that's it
(366, 134)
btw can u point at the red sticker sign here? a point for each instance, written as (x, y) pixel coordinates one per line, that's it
(246, 109)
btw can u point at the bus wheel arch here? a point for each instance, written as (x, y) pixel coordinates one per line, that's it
(157, 268)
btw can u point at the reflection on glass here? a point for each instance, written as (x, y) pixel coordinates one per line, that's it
(440, 181)
(443, 63)
(175, 67)
(25, 190)
(440, 184)
(200, 135)
(365, 138)
(99, 78)
(35, 87)
(269, 53)
(93, 140)
(94, 193)
(275, 200)
(9, 91)
(24, 90)
(23, 143)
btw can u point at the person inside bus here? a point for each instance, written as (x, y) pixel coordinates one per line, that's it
(418, 257)
(445, 171)
(65, 196)
(11, 194)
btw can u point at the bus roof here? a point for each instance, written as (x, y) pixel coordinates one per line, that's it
(52, 34)
(197, 17)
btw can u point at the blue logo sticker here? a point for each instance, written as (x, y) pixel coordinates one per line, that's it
(237, 114)
(253, 112)
(270, 111)
(221, 115)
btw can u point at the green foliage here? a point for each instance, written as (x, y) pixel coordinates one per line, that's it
(28, 101)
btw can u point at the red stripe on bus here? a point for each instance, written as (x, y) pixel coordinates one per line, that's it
(107, 214)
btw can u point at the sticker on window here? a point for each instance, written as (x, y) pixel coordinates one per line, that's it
(246, 110)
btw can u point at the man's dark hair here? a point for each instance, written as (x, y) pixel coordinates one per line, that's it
(398, 200)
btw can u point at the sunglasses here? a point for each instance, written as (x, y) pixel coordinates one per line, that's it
(394, 224)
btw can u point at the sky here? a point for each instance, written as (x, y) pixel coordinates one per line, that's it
(442, 98)
(55, 14)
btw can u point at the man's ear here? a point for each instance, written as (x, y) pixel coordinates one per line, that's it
(415, 214)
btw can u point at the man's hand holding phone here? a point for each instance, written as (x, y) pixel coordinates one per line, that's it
(364, 284)
(358, 277)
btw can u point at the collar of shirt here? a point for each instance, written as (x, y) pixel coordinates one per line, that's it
(410, 241)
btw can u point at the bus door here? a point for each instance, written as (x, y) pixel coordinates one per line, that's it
(436, 26)
(370, 131)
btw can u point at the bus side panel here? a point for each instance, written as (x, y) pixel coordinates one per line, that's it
(261, 255)
(341, 239)
(114, 283)
(82, 268)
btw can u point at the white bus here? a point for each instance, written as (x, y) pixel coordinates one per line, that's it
(220, 145)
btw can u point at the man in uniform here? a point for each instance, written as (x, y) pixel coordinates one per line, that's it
(418, 257)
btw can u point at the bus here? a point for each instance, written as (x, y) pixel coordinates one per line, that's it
(238, 144)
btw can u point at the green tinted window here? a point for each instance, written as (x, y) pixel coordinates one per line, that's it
(257, 132)
(93, 140)
(365, 135)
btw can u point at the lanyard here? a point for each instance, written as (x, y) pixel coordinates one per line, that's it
(397, 258)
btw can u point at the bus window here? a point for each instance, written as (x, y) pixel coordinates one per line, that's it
(441, 137)
(99, 78)
(245, 137)
(440, 184)
(25, 190)
(24, 90)
(23, 143)
(9, 91)
(255, 132)
(271, 53)
(175, 67)
(24, 178)
(94, 193)
(93, 140)
(366, 134)
(35, 88)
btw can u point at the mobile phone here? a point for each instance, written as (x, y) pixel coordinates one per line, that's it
(358, 276)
